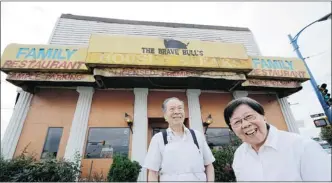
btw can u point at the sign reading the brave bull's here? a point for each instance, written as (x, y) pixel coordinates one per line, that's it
(43, 57)
(281, 68)
(151, 51)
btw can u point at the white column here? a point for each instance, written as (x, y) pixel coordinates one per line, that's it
(140, 130)
(14, 128)
(79, 124)
(288, 115)
(239, 94)
(194, 107)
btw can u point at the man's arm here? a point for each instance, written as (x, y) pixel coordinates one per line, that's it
(208, 159)
(315, 163)
(153, 159)
(209, 171)
(152, 176)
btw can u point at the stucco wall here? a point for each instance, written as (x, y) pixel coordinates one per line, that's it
(49, 108)
(56, 107)
(272, 109)
(107, 110)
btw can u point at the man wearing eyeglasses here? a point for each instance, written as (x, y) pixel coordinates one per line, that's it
(269, 154)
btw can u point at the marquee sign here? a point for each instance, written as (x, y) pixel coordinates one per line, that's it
(127, 50)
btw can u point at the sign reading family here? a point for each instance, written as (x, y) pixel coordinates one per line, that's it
(43, 57)
(277, 67)
(116, 50)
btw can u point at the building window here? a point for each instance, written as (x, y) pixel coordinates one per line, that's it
(217, 137)
(105, 142)
(52, 142)
(157, 130)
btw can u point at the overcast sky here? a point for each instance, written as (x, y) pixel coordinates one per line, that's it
(270, 22)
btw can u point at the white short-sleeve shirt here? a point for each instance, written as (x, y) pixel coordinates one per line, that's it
(153, 159)
(284, 156)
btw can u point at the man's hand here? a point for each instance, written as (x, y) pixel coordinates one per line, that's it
(152, 176)
(209, 171)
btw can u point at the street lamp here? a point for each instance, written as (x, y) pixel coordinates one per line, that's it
(327, 109)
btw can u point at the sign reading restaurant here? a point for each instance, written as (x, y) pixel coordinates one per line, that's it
(43, 57)
(277, 67)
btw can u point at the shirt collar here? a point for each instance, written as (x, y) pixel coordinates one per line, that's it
(271, 140)
(170, 131)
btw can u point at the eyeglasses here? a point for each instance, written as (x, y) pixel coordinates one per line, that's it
(238, 123)
(172, 109)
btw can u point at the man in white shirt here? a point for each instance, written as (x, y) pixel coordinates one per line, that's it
(269, 154)
(179, 154)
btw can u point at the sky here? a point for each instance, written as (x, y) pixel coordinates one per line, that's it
(270, 22)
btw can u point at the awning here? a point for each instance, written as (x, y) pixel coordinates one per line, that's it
(271, 83)
(160, 73)
(50, 77)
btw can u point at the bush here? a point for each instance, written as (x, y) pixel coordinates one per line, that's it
(27, 169)
(326, 134)
(95, 177)
(223, 164)
(123, 170)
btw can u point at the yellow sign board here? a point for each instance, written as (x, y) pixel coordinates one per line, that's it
(277, 67)
(151, 51)
(44, 57)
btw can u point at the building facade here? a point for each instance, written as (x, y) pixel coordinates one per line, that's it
(75, 92)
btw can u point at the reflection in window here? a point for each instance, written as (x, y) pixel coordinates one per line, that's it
(157, 130)
(217, 137)
(52, 142)
(105, 142)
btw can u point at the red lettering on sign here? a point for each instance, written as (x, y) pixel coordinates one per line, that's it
(54, 65)
(286, 73)
(31, 62)
(63, 64)
(47, 76)
(37, 65)
(15, 64)
(70, 65)
(23, 64)
(8, 64)
(45, 66)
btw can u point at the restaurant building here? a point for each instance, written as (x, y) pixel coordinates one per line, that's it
(75, 92)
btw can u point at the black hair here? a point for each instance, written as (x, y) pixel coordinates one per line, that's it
(231, 106)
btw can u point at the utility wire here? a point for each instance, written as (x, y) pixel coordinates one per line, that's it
(316, 54)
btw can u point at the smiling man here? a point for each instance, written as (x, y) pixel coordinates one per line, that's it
(268, 154)
(179, 153)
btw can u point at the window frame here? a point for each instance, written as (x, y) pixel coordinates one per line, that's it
(45, 140)
(231, 135)
(87, 140)
(153, 129)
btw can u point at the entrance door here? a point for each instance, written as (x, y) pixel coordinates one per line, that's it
(157, 125)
